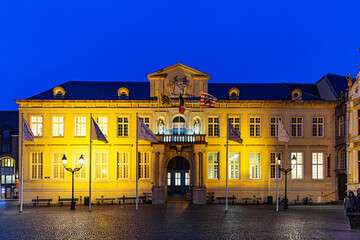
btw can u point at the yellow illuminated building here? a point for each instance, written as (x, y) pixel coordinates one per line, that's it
(190, 155)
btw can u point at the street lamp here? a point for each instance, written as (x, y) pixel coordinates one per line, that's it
(73, 170)
(286, 170)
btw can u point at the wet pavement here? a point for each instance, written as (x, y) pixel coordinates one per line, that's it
(175, 220)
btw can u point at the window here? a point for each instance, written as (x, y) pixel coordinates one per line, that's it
(58, 126)
(213, 126)
(123, 127)
(177, 179)
(213, 165)
(7, 162)
(297, 126)
(144, 165)
(122, 165)
(6, 134)
(255, 127)
(36, 165)
(6, 148)
(58, 167)
(234, 162)
(255, 165)
(37, 125)
(317, 165)
(187, 179)
(81, 174)
(101, 165)
(342, 159)
(146, 121)
(297, 169)
(235, 122)
(273, 165)
(273, 125)
(169, 179)
(80, 126)
(179, 125)
(318, 126)
(341, 126)
(102, 123)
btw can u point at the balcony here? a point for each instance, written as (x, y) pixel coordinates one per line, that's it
(185, 138)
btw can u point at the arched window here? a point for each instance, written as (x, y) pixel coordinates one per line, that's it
(179, 125)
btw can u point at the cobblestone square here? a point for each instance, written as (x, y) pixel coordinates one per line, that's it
(175, 220)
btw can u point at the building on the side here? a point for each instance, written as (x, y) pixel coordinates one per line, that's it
(190, 155)
(9, 167)
(353, 138)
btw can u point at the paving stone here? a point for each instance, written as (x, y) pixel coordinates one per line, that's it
(175, 220)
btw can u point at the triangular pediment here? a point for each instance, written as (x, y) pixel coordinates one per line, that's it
(176, 79)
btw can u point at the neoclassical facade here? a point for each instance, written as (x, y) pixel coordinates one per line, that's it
(190, 155)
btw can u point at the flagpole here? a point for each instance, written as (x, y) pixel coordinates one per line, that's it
(137, 161)
(277, 164)
(227, 159)
(90, 163)
(21, 164)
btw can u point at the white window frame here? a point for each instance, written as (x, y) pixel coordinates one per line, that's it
(255, 126)
(58, 126)
(234, 165)
(213, 126)
(297, 124)
(36, 165)
(144, 165)
(101, 165)
(177, 178)
(236, 122)
(213, 165)
(36, 123)
(318, 126)
(187, 179)
(272, 162)
(255, 165)
(297, 171)
(273, 125)
(169, 178)
(317, 165)
(80, 126)
(123, 165)
(145, 120)
(102, 122)
(58, 170)
(123, 126)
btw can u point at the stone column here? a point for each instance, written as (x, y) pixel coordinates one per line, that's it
(156, 169)
(194, 172)
(201, 165)
(162, 166)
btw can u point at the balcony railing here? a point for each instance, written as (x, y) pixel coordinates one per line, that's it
(181, 138)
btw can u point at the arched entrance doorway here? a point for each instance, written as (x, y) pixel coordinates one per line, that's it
(178, 177)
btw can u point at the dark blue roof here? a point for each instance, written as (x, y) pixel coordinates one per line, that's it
(91, 90)
(98, 90)
(264, 91)
(10, 118)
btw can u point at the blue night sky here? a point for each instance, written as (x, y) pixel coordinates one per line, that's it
(46, 43)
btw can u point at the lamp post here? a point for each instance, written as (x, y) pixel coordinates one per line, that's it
(73, 170)
(286, 170)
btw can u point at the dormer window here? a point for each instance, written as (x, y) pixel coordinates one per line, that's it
(296, 94)
(234, 94)
(59, 92)
(123, 93)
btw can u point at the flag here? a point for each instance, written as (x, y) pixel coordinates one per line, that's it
(96, 133)
(233, 134)
(26, 131)
(164, 100)
(207, 100)
(144, 133)
(182, 105)
(283, 134)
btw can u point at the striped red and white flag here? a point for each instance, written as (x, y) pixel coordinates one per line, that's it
(207, 100)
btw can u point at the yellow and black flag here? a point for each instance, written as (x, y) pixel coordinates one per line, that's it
(164, 100)
(182, 105)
